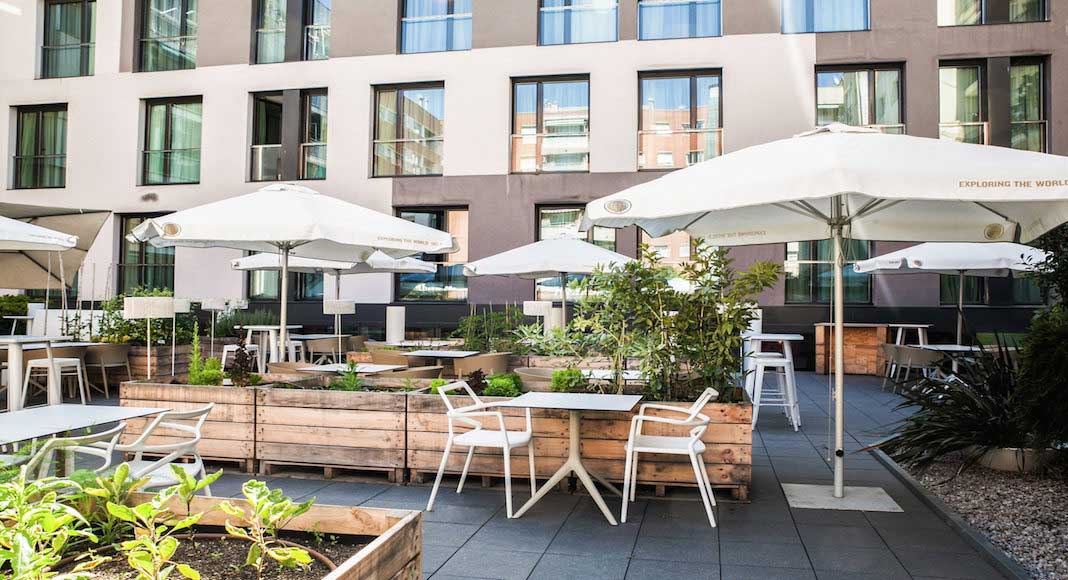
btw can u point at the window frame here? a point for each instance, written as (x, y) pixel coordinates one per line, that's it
(540, 81)
(450, 14)
(782, 22)
(296, 287)
(168, 125)
(1043, 94)
(538, 208)
(305, 122)
(38, 138)
(443, 209)
(253, 146)
(692, 20)
(691, 75)
(1046, 17)
(872, 69)
(814, 283)
(567, 30)
(184, 37)
(984, 105)
(398, 126)
(141, 264)
(85, 47)
(307, 11)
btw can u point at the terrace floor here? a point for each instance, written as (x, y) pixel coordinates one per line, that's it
(564, 536)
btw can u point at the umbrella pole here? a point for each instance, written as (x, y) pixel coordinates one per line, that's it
(960, 307)
(283, 318)
(48, 291)
(337, 317)
(174, 338)
(839, 358)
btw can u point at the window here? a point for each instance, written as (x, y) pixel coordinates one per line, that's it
(266, 137)
(810, 272)
(316, 29)
(1027, 106)
(800, 16)
(975, 290)
(550, 125)
(270, 31)
(435, 25)
(967, 12)
(313, 131)
(448, 284)
(409, 130)
(142, 265)
(862, 97)
(1025, 291)
(69, 38)
(960, 104)
(659, 19)
(168, 35)
(40, 147)
(680, 119)
(172, 141)
(263, 285)
(577, 21)
(565, 222)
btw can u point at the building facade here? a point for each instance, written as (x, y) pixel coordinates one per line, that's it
(497, 120)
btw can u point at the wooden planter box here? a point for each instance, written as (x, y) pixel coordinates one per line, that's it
(395, 553)
(229, 433)
(331, 429)
(862, 350)
(161, 360)
(728, 458)
(559, 362)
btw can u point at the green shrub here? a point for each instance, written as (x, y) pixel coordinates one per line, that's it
(225, 323)
(568, 381)
(506, 385)
(489, 330)
(13, 304)
(348, 381)
(203, 372)
(1044, 375)
(435, 383)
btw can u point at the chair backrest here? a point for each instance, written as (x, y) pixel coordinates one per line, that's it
(107, 354)
(324, 344)
(431, 372)
(701, 401)
(920, 357)
(357, 343)
(169, 420)
(388, 357)
(494, 363)
(444, 391)
(100, 445)
(57, 352)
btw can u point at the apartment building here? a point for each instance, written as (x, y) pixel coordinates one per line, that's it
(497, 120)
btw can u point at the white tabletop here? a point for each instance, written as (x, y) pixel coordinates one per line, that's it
(441, 353)
(946, 347)
(30, 339)
(360, 368)
(314, 336)
(770, 337)
(62, 344)
(267, 327)
(574, 401)
(17, 317)
(609, 374)
(425, 343)
(50, 420)
(905, 325)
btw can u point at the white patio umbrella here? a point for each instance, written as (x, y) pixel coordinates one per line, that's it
(546, 259)
(293, 220)
(959, 259)
(840, 181)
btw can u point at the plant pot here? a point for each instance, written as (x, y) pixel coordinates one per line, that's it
(1015, 460)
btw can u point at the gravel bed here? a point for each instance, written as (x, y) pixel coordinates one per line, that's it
(1024, 515)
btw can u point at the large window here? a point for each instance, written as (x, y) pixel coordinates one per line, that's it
(659, 19)
(142, 265)
(960, 104)
(809, 270)
(313, 135)
(269, 150)
(967, 12)
(409, 130)
(435, 25)
(317, 29)
(824, 15)
(577, 21)
(551, 125)
(172, 141)
(1027, 107)
(40, 146)
(168, 35)
(680, 119)
(1023, 291)
(69, 37)
(267, 136)
(270, 31)
(869, 97)
(565, 222)
(448, 283)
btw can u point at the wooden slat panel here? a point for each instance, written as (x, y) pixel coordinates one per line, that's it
(221, 412)
(389, 421)
(397, 553)
(211, 429)
(165, 392)
(371, 401)
(211, 448)
(330, 436)
(349, 457)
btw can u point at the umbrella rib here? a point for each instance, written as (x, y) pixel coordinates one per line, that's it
(874, 208)
(41, 266)
(991, 210)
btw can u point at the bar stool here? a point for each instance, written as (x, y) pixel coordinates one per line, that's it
(251, 348)
(783, 394)
(64, 367)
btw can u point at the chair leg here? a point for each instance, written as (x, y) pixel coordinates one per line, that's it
(791, 388)
(81, 386)
(104, 375)
(626, 486)
(508, 480)
(704, 490)
(533, 475)
(634, 477)
(758, 386)
(467, 465)
(129, 373)
(441, 471)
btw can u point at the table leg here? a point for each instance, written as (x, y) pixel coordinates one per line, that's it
(55, 383)
(923, 336)
(14, 377)
(572, 465)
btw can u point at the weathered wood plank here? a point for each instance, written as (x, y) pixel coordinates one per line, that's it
(324, 455)
(387, 421)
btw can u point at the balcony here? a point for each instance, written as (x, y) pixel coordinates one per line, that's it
(313, 161)
(172, 53)
(395, 157)
(550, 153)
(659, 149)
(67, 60)
(40, 171)
(436, 33)
(978, 133)
(266, 162)
(165, 166)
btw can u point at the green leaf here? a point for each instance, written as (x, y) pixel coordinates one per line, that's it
(122, 512)
(188, 572)
(167, 547)
(255, 555)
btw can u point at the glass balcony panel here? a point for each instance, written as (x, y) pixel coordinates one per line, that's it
(316, 42)
(542, 153)
(40, 171)
(313, 161)
(964, 132)
(1029, 135)
(266, 162)
(448, 283)
(270, 46)
(172, 166)
(676, 149)
(166, 54)
(408, 157)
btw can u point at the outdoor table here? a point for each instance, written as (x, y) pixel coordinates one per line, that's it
(902, 329)
(756, 341)
(15, 345)
(360, 368)
(439, 355)
(946, 347)
(575, 404)
(310, 336)
(424, 343)
(15, 321)
(268, 339)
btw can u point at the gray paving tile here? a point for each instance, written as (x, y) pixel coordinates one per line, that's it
(854, 560)
(840, 575)
(482, 563)
(229, 485)
(830, 517)
(758, 531)
(764, 573)
(764, 555)
(435, 556)
(659, 570)
(619, 543)
(447, 534)
(299, 489)
(519, 538)
(442, 513)
(677, 549)
(566, 567)
(773, 510)
(348, 494)
(905, 540)
(942, 565)
(849, 536)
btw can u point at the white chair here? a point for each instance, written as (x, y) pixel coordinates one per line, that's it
(296, 350)
(478, 436)
(783, 395)
(64, 367)
(104, 357)
(100, 445)
(177, 424)
(690, 445)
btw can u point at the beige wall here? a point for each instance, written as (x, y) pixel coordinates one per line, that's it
(751, 17)
(497, 23)
(224, 32)
(364, 27)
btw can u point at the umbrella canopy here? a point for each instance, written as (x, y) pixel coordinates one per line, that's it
(956, 259)
(545, 259)
(837, 181)
(29, 235)
(377, 263)
(290, 219)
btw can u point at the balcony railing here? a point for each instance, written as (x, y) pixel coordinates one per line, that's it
(39, 171)
(978, 133)
(172, 53)
(162, 166)
(408, 156)
(266, 163)
(317, 42)
(676, 149)
(436, 33)
(550, 153)
(313, 161)
(1029, 135)
(896, 129)
(67, 60)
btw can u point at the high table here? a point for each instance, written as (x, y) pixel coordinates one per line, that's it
(268, 341)
(15, 345)
(575, 404)
(902, 329)
(15, 321)
(756, 341)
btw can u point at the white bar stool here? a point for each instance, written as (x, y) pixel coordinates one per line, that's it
(783, 395)
(64, 367)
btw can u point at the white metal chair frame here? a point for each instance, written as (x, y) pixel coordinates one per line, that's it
(100, 445)
(691, 446)
(478, 436)
(159, 477)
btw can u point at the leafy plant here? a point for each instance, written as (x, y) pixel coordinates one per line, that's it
(203, 372)
(241, 370)
(490, 330)
(1044, 376)
(149, 553)
(188, 486)
(349, 380)
(226, 322)
(559, 341)
(435, 384)
(506, 385)
(114, 488)
(269, 512)
(568, 381)
(117, 330)
(476, 380)
(1051, 275)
